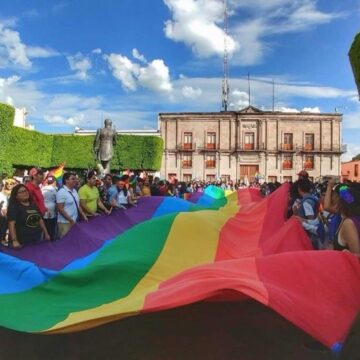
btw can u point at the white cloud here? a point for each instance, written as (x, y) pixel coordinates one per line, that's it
(190, 92)
(39, 52)
(352, 151)
(4, 82)
(12, 50)
(124, 70)
(240, 99)
(9, 100)
(154, 76)
(315, 110)
(351, 120)
(56, 119)
(199, 25)
(286, 109)
(14, 53)
(97, 51)
(80, 64)
(138, 56)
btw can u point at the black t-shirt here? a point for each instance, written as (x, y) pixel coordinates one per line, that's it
(27, 222)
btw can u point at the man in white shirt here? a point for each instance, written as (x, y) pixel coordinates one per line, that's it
(49, 193)
(68, 205)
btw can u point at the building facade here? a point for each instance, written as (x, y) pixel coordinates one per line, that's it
(248, 143)
(350, 171)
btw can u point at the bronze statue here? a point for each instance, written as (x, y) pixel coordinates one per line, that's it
(104, 143)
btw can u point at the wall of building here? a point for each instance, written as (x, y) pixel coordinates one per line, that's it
(267, 130)
(350, 171)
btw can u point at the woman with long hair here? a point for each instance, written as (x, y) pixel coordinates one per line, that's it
(347, 237)
(26, 225)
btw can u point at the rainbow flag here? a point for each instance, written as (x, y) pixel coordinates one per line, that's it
(58, 173)
(168, 252)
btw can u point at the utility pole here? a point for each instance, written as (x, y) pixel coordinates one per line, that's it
(225, 84)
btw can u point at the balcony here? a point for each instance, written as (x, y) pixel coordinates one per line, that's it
(210, 164)
(287, 165)
(186, 164)
(186, 147)
(250, 148)
(325, 149)
(211, 147)
(286, 148)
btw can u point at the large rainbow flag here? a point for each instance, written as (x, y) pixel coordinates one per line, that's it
(168, 252)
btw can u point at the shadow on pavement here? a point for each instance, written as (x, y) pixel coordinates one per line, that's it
(207, 330)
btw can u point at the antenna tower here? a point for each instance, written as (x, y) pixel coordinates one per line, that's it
(225, 84)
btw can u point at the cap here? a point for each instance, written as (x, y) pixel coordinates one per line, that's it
(36, 171)
(303, 173)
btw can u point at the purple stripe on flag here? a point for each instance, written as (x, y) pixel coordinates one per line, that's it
(194, 197)
(85, 238)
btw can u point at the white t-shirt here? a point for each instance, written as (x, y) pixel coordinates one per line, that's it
(49, 194)
(121, 199)
(63, 196)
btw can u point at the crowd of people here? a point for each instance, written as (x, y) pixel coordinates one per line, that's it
(40, 207)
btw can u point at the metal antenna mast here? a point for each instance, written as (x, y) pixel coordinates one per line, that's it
(225, 84)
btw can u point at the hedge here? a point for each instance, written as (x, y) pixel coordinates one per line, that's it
(354, 55)
(7, 114)
(25, 148)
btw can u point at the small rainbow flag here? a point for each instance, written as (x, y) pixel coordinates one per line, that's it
(58, 173)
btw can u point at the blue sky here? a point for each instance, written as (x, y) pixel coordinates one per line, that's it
(74, 63)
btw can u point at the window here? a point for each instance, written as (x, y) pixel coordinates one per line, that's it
(287, 162)
(188, 140)
(225, 178)
(288, 141)
(187, 177)
(210, 161)
(272, 179)
(187, 161)
(309, 141)
(210, 178)
(211, 140)
(249, 141)
(309, 162)
(287, 178)
(356, 170)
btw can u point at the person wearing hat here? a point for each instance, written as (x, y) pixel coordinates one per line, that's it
(37, 177)
(49, 193)
(89, 196)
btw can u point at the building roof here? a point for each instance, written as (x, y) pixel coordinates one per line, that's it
(253, 110)
(150, 132)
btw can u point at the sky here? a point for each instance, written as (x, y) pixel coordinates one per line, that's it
(73, 63)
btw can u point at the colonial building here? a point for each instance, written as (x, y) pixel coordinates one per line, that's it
(250, 142)
(350, 171)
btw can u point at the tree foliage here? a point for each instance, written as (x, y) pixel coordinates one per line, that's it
(25, 148)
(354, 55)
